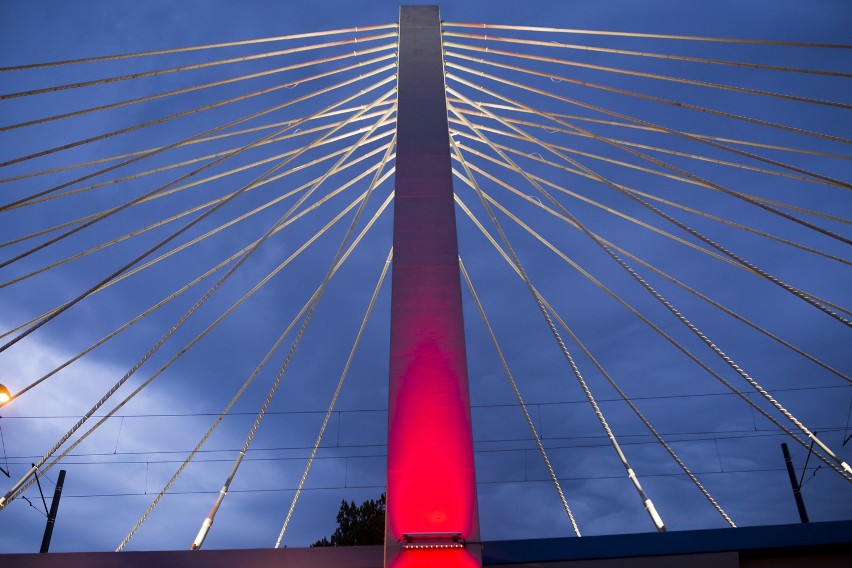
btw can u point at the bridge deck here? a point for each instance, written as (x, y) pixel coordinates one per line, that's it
(817, 544)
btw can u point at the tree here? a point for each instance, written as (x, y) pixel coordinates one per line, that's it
(358, 525)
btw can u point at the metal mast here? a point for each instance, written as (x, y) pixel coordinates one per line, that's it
(431, 500)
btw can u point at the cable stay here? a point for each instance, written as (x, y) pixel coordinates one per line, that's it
(195, 221)
(172, 183)
(208, 521)
(742, 373)
(699, 157)
(649, 505)
(220, 228)
(535, 157)
(208, 107)
(266, 358)
(649, 323)
(632, 190)
(669, 102)
(138, 175)
(206, 64)
(732, 313)
(199, 47)
(209, 328)
(214, 84)
(518, 397)
(591, 176)
(203, 206)
(668, 277)
(619, 214)
(668, 56)
(92, 216)
(334, 398)
(631, 126)
(564, 211)
(68, 167)
(646, 35)
(627, 217)
(796, 292)
(22, 484)
(828, 179)
(52, 313)
(216, 268)
(257, 370)
(597, 204)
(609, 379)
(225, 126)
(656, 270)
(643, 74)
(163, 256)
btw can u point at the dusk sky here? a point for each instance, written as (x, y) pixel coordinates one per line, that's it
(799, 165)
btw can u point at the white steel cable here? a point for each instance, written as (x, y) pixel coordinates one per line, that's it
(334, 398)
(228, 260)
(648, 504)
(668, 56)
(194, 141)
(223, 127)
(796, 292)
(198, 47)
(618, 213)
(202, 206)
(193, 241)
(6, 498)
(176, 165)
(197, 338)
(195, 66)
(193, 88)
(135, 261)
(553, 477)
(643, 74)
(745, 376)
(659, 100)
(208, 521)
(647, 35)
(630, 126)
(537, 203)
(653, 326)
(653, 148)
(828, 179)
(199, 109)
(609, 379)
(648, 322)
(251, 378)
(635, 191)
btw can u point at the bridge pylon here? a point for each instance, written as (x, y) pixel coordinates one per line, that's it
(432, 517)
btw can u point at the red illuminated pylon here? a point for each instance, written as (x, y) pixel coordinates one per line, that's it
(431, 499)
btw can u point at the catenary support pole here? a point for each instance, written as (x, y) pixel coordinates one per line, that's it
(54, 508)
(431, 501)
(797, 490)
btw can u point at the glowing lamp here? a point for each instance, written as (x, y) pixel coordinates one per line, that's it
(5, 395)
(432, 540)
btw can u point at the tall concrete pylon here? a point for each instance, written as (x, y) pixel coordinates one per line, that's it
(432, 517)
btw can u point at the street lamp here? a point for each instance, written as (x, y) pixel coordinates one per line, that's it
(5, 395)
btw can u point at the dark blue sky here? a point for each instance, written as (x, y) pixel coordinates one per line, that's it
(114, 475)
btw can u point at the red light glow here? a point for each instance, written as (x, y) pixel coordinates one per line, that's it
(431, 484)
